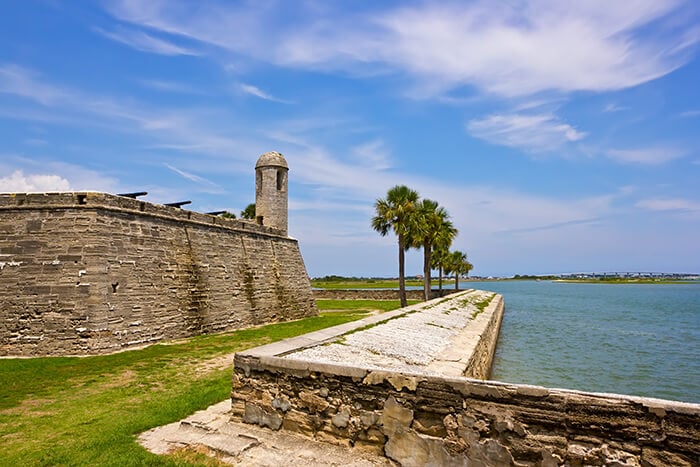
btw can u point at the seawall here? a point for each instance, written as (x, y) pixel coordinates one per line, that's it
(425, 412)
(87, 273)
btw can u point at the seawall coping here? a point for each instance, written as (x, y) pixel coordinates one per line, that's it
(323, 336)
(455, 344)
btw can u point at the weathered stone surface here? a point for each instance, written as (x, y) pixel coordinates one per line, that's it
(258, 416)
(468, 422)
(86, 273)
(395, 417)
(312, 402)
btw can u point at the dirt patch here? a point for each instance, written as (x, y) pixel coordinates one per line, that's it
(29, 406)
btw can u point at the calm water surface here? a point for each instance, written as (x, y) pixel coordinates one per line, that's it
(639, 339)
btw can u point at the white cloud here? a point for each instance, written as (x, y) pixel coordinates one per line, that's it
(668, 204)
(646, 156)
(532, 132)
(170, 86)
(21, 82)
(257, 92)
(18, 182)
(690, 113)
(614, 108)
(373, 155)
(179, 129)
(139, 40)
(508, 49)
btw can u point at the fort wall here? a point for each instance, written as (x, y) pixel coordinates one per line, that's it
(87, 272)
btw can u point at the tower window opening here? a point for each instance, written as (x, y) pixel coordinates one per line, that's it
(280, 180)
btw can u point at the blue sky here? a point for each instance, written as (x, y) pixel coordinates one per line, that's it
(560, 136)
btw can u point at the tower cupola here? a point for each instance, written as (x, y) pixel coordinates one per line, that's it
(271, 194)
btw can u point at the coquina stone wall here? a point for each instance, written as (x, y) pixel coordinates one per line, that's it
(423, 420)
(441, 418)
(85, 273)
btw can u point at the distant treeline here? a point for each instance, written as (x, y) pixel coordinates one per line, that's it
(528, 277)
(334, 278)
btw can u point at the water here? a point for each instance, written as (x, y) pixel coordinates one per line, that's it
(637, 339)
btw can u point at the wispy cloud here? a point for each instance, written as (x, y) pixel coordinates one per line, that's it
(170, 86)
(690, 113)
(507, 50)
(144, 42)
(646, 156)
(257, 92)
(668, 204)
(22, 82)
(531, 132)
(614, 108)
(178, 129)
(205, 185)
(555, 226)
(373, 155)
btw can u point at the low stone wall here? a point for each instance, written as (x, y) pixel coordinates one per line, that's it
(369, 294)
(436, 418)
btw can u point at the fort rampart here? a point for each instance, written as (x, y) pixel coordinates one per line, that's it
(87, 272)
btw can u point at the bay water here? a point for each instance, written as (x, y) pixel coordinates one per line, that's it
(636, 339)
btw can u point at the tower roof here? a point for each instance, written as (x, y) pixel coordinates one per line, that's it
(272, 158)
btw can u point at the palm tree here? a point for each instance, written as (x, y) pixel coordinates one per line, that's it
(438, 261)
(396, 213)
(466, 267)
(433, 228)
(457, 263)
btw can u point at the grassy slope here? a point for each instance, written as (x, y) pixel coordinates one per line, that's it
(88, 411)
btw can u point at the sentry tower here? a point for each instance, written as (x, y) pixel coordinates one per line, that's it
(271, 191)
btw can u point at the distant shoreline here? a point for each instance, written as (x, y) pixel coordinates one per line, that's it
(356, 283)
(625, 281)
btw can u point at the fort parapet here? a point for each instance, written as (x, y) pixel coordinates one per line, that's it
(88, 272)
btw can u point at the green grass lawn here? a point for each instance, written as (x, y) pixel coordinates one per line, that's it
(88, 411)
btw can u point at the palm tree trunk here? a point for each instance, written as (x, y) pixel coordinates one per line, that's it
(457, 281)
(427, 249)
(402, 282)
(440, 278)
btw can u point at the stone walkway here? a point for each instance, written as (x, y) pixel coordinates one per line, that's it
(409, 343)
(241, 444)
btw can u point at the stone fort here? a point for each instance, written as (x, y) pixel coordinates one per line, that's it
(90, 273)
